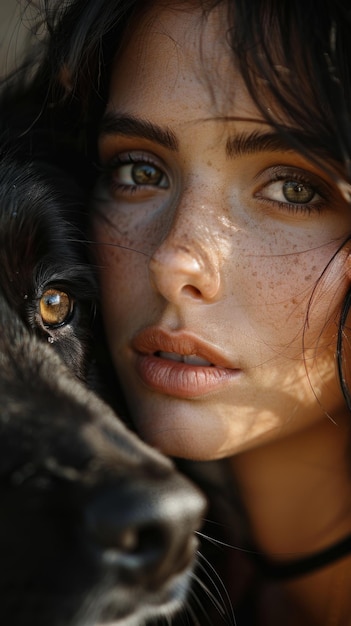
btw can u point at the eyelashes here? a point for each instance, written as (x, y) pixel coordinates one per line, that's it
(137, 176)
(131, 173)
(293, 190)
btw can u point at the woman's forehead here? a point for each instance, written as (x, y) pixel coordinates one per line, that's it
(180, 53)
(184, 26)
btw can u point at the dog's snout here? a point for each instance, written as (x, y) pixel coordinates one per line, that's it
(145, 530)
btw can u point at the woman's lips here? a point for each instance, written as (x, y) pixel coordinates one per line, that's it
(179, 364)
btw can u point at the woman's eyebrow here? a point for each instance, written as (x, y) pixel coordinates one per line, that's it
(289, 140)
(250, 143)
(239, 144)
(130, 126)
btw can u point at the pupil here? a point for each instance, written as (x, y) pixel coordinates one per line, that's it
(297, 192)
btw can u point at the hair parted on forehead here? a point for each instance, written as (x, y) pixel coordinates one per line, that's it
(294, 56)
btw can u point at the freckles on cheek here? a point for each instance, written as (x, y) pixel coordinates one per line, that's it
(300, 298)
(126, 234)
(114, 249)
(281, 294)
(111, 266)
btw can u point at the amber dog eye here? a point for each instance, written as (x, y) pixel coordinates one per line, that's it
(55, 307)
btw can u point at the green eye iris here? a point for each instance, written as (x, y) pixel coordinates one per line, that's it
(298, 192)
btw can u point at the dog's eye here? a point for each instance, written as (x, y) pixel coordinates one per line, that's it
(56, 307)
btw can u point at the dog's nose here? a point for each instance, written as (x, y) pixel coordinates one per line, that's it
(144, 529)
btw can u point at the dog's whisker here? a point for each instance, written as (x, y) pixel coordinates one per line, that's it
(220, 543)
(219, 587)
(200, 609)
(217, 603)
(118, 245)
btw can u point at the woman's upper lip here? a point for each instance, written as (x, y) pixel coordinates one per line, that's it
(155, 339)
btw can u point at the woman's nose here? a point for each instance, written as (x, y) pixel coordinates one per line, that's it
(184, 266)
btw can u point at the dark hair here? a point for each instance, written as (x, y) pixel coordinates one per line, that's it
(74, 61)
(294, 56)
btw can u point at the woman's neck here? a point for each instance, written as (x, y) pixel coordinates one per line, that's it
(297, 494)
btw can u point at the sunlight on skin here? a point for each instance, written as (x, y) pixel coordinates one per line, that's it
(224, 258)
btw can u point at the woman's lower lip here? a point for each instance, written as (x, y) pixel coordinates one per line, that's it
(180, 379)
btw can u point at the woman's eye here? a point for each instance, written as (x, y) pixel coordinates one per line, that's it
(293, 190)
(290, 191)
(139, 174)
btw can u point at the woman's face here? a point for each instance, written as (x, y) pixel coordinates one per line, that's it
(212, 235)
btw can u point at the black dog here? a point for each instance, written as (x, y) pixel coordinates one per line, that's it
(95, 527)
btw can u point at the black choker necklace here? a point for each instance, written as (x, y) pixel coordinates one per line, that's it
(306, 565)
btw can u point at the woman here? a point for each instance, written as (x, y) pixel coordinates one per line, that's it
(222, 224)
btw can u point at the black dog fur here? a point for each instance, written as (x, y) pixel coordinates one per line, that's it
(95, 527)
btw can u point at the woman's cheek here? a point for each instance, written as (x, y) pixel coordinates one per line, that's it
(293, 302)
